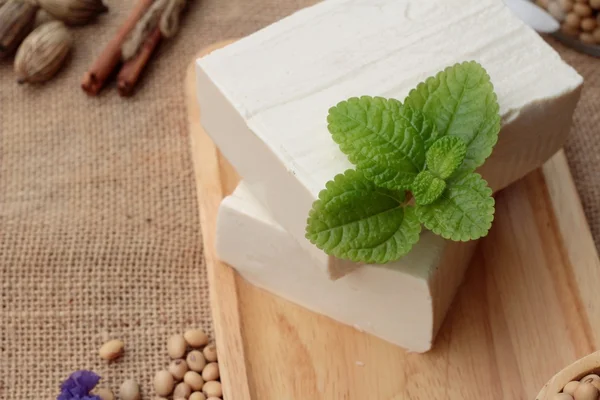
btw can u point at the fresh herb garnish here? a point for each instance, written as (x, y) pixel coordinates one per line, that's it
(415, 165)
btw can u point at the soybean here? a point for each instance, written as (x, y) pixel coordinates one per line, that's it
(586, 391)
(557, 11)
(104, 393)
(583, 10)
(194, 379)
(566, 5)
(163, 383)
(178, 368)
(176, 346)
(593, 379)
(210, 351)
(195, 361)
(182, 390)
(211, 372)
(589, 24)
(129, 390)
(212, 389)
(562, 396)
(571, 387)
(196, 337)
(111, 349)
(573, 20)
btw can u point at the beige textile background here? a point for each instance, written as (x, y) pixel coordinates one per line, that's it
(99, 231)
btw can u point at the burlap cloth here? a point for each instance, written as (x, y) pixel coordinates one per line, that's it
(99, 230)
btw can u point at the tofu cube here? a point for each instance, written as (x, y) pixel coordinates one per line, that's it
(265, 98)
(403, 302)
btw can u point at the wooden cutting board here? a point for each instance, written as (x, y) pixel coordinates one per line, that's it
(528, 307)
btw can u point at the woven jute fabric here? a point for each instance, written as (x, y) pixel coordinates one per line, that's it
(583, 145)
(99, 228)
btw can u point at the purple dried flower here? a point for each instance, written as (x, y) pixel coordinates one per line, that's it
(78, 386)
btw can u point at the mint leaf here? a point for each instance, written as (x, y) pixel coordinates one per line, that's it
(385, 146)
(356, 220)
(465, 210)
(445, 156)
(462, 102)
(424, 126)
(427, 188)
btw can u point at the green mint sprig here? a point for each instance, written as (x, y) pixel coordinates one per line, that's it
(415, 164)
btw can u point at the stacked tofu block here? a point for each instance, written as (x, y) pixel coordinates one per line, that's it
(264, 101)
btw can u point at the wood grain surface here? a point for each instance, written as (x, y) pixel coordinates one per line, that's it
(528, 307)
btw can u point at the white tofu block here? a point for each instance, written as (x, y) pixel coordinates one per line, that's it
(402, 302)
(265, 98)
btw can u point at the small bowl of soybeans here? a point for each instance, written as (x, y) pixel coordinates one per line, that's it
(579, 23)
(578, 381)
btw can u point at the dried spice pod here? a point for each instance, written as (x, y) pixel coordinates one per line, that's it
(42, 16)
(73, 12)
(16, 21)
(43, 52)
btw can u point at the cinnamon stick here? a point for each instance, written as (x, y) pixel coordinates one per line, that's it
(96, 76)
(133, 68)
